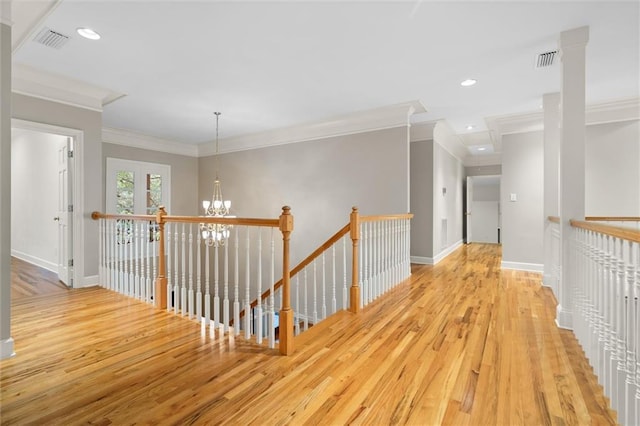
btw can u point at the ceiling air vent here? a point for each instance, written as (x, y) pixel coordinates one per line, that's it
(544, 60)
(51, 38)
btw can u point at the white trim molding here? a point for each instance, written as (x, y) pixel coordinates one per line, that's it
(90, 281)
(45, 264)
(446, 252)
(6, 348)
(137, 140)
(364, 121)
(564, 318)
(420, 260)
(40, 84)
(521, 266)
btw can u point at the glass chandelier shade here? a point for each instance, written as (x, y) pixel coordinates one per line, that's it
(216, 234)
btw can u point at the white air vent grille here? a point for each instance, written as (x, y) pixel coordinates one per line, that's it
(51, 38)
(546, 59)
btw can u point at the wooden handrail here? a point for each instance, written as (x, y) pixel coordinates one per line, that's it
(241, 221)
(376, 218)
(316, 253)
(554, 219)
(98, 215)
(613, 231)
(612, 219)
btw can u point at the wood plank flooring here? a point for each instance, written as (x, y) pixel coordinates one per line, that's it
(28, 280)
(461, 343)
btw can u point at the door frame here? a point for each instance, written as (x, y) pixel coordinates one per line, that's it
(471, 181)
(77, 189)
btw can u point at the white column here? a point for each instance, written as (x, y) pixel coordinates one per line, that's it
(551, 105)
(572, 158)
(6, 342)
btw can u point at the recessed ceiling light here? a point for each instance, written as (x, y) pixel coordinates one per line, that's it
(468, 82)
(482, 148)
(88, 33)
(471, 127)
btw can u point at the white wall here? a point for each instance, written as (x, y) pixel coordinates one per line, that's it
(612, 181)
(486, 192)
(34, 197)
(448, 172)
(522, 220)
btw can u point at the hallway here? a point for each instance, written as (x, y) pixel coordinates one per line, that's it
(459, 343)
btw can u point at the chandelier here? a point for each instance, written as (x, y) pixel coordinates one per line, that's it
(216, 234)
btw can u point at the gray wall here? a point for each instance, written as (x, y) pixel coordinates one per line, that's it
(422, 199)
(449, 174)
(612, 181)
(321, 180)
(90, 122)
(486, 192)
(184, 174)
(522, 220)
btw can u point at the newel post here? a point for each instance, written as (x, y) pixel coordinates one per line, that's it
(286, 313)
(355, 237)
(161, 279)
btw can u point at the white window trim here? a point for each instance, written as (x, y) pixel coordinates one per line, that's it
(139, 168)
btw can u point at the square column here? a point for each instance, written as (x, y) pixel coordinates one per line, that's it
(572, 159)
(551, 105)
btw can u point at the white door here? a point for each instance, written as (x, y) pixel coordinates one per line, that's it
(65, 214)
(469, 205)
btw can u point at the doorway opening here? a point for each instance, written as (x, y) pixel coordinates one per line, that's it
(46, 199)
(483, 213)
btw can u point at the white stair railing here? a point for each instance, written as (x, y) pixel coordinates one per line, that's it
(607, 312)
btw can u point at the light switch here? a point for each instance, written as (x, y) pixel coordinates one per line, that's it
(513, 197)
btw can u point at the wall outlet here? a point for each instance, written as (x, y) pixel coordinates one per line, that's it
(513, 197)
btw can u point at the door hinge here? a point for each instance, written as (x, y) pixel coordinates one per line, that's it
(70, 208)
(70, 154)
(70, 263)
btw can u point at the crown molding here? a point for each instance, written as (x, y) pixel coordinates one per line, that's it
(364, 121)
(33, 82)
(597, 113)
(136, 140)
(422, 131)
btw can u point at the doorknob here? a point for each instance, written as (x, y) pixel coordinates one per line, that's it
(56, 218)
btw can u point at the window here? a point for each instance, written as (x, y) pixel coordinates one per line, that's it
(136, 187)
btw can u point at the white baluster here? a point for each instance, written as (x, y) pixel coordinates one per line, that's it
(636, 323)
(296, 313)
(142, 261)
(198, 275)
(344, 273)
(236, 290)
(333, 280)
(610, 297)
(361, 278)
(216, 287)
(247, 304)
(100, 254)
(324, 288)
(148, 243)
(272, 312)
(259, 313)
(191, 295)
(306, 312)
(207, 286)
(630, 343)
(315, 293)
(621, 352)
(176, 272)
(225, 301)
(156, 238)
(138, 257)
(366, 282)
(183, 284)
(168, 229)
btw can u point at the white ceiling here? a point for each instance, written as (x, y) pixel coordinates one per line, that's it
(274, 64)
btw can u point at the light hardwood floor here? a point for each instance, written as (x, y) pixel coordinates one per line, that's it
(460, 343)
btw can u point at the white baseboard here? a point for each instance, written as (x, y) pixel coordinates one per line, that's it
(446, 252)
(6, 348)
(89, 281)
(564, 319)
(521, 266)
(420, 260)
(45, 264)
